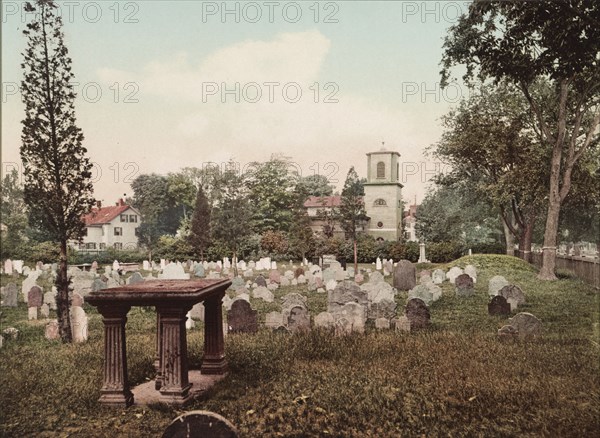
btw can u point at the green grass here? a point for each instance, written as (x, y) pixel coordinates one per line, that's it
(455, 378)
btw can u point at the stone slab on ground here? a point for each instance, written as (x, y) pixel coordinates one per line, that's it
(146, 394)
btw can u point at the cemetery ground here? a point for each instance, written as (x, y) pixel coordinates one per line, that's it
(454, 378)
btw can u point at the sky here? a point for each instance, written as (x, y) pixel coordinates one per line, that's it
(164, 85)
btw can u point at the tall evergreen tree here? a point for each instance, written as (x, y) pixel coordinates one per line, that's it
(199, 236)
(352, 208)
(58, 188)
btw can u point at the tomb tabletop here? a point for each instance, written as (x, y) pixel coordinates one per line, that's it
(152, 292)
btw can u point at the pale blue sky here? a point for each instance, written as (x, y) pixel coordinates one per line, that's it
(381, 58)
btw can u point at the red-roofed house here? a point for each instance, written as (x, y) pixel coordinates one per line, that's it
(111, 227)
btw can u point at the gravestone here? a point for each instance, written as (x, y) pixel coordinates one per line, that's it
(376, 277)
(471, 271)
(116, 266)
(8, 267)
(438, 276)
(355, 315)
(402, 324)
(298, 272)
(405, 275)
(99, 284)
(174, 271)
(346, 292)
(424, 277)
(298, 319)
(300, 280)
(44, 311)
(136, 277)
(331, 284)
(514, 296)
(422, 292)
(274, 276)
(359, 278)
(293, 299)
(453, 273)
(197, 312)
(237, 283)
(324, 320)
(498, 306)
(200, 424)
(18, 266)
(382, 323)
(27, 284)
(10, 295)
(50, 298)
(464, 286)
(146, 265)
(260, 281)
(32, 313)
(35, 297)
(435, 290)
(527, 325)
(51, 332)
(496, 283)
(273, 319)
(417, 313)
(94, 265)
(242, 318)
(79, 324)
(263, 293)
(507, 332)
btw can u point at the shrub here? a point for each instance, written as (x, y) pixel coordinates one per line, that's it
(274, 242)
(47, 252)
(173, 248)
(489, 248)
(443, 252)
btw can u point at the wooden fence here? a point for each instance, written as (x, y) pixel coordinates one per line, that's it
(586, 268)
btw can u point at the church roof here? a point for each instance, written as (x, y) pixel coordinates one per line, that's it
(323, 201)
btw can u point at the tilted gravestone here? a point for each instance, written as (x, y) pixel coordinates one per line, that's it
(417, 313)
(464, 286)
(298, 319)
(514, 295)
(498, 306)
(526, 324)
(495, 284)
(242, 318)
(197, 424)
(405, 275)
(438, 276)
(260, 281)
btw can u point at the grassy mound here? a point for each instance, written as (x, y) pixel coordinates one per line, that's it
(493, 264)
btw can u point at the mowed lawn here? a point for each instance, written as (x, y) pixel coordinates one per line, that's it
(455, 378)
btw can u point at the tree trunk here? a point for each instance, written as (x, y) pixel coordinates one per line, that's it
(509, 238)
(62, 297)
(234, 263)
(355, 259)
(550, 234)
(526, 238)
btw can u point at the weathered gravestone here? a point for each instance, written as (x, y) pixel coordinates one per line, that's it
(136, 277)
(8, 267)
(50, 298)
(10, 295)
(402, 324)
(263, 293)
(353, 317)
(51, 332)
(273, 319)
(35, 297)
(514, 295)
(464, 286)
(346, 292)
(76, 300)
(422, 292)
(44, 311)
(242, 318)
(197, 312)
(405, 275)
(200, 424)
(324, 320)
(260, 281)
(471, 271)
(79, 324)
(382, 323)
(174, 271)
(438, 276)
(298, 272)
(522, 325)
(417, 313)
(496, 283)
(274, 276)
(298, 319)
(453, 273)
(498, 306)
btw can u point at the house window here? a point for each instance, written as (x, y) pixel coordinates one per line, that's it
(82, 246)
(85, 232)
(137, 231)
(132, 218)
(379, 224)
(381, 169)
(103, 246)
(124, 218)
(90, 245)
(118, 245)
(118, 231)
(397, 172)
(380, 202)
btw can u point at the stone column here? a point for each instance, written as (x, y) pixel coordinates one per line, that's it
(214, 346)
(115, 389)
(157, 367)
(175, 384)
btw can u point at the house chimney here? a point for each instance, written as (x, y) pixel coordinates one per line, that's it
(121, 202)
(99, 204)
